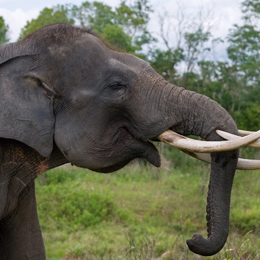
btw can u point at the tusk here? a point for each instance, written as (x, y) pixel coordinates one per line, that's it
(245, 164)
(229, 136)
(191, 145)
(242, 164)
(244, 133)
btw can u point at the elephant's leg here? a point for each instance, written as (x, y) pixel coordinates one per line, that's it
(20, 233)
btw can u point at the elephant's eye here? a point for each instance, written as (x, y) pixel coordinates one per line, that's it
(117, 87)
(116, 90)
(49, 93)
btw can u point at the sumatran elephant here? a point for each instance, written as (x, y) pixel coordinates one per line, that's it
(66, 97)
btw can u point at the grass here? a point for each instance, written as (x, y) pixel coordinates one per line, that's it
(141, 212)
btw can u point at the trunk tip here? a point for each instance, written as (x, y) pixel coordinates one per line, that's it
(204, 247)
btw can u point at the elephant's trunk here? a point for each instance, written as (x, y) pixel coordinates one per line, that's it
(195, 114)
(221, 179)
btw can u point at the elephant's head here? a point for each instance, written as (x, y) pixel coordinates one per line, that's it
(63, 86)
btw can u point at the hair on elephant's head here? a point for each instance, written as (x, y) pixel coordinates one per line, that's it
(62, 87)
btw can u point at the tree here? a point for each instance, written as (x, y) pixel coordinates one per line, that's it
(3, 31)
(125, 27)
(185, 40)
(94, 15)
(244, 53)
(134, 19)
(102, 19)
(194, 46)
(251, 10)
(118, 38)
(58, 14)
(165, 62)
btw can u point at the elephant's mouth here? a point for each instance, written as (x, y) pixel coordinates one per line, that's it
(139, 148)
(116, 150)
(152, 154)
(148, 152)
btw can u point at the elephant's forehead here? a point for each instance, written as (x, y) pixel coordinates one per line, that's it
(115, 67)
(126, 61)
(130, 60)
(111, 62)
(61, 51)
(87, 45)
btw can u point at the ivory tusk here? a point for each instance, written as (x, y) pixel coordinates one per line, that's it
(191, 145)
(229, 136)
(244, 133)
(242, 164)
(245, 164)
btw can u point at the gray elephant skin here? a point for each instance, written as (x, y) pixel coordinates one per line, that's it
(67, 97)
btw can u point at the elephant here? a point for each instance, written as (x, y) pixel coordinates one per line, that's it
(67, 97)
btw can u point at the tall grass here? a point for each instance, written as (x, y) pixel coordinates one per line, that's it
(141, 212)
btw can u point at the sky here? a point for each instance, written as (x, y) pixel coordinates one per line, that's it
(221, 14)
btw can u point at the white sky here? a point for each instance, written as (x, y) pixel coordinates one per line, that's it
(225, 13)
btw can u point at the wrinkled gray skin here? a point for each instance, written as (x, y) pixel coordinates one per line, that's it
(66, 97)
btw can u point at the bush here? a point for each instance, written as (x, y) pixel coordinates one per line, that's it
(71, 206)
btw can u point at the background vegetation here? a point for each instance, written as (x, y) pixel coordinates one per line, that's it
(141, 212)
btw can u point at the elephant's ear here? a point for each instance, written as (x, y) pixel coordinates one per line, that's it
(26, 112)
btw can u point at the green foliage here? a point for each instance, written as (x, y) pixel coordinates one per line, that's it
(94, 15)
(118, 38)
(244, 51)
(251, 9)
(75, 208)
(248, 117)
(124, 27)
(134, 19)
(58, 14)
(3, 31)
(165, 62)
(246, 205)
(194, 45)
(141, 213)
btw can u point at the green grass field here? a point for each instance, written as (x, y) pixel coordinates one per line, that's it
(141, 212)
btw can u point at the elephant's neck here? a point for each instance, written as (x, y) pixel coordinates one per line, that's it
(20, 161)
(20, 165)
